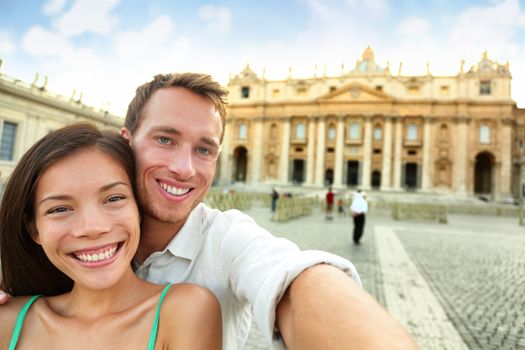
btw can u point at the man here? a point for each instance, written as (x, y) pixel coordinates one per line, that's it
(175, 126)
(359, 208)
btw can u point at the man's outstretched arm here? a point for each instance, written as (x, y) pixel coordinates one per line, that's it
(325, 309)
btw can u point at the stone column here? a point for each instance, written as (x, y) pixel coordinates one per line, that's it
(339, 152)
(386, 168)
(285, 152)
(319, 159)
(461, 154)
(506, 160)
(257, 150)
(310, 152)
(426, 181)
(225, 175)
(367, 153)
(398, 153)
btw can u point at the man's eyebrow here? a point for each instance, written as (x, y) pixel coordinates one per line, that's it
(165, 129)
(210, 142)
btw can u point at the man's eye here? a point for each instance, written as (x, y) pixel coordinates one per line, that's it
(203, 150)
(164, 140)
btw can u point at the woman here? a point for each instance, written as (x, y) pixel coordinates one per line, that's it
(69, 228)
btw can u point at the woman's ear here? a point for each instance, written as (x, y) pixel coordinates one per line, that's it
(31, 228)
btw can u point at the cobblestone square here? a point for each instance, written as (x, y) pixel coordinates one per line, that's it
(454, 286)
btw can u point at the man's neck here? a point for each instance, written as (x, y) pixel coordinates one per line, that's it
(155, 236)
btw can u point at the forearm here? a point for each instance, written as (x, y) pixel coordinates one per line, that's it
(325, 309)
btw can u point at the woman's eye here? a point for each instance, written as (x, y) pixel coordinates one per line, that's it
(116, 198)
(57, 210)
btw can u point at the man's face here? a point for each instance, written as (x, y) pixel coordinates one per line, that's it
(176, 148)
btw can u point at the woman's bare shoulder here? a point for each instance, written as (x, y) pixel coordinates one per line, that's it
(192, 313)
(8, 315)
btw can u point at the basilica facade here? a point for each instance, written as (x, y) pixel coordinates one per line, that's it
(371, 129)
(29, 111)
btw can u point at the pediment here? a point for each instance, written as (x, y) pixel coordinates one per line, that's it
(355, 92)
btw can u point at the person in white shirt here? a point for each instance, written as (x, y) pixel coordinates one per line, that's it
(359, 208)
(300, 299)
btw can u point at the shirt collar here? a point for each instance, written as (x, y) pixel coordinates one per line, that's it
(187, 242)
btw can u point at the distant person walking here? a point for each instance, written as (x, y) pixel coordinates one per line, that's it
(329, 203)
(275, 197)
(341, 207)
(359, 208)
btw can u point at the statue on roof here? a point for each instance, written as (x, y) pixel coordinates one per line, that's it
(367, 63)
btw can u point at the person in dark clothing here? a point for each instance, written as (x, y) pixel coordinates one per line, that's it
(275, 197)
(329, 203)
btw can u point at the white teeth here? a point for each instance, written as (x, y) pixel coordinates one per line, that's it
(97, 256)
(174, 190)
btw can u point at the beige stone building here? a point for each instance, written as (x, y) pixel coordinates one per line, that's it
(29, 111)
(369, 128)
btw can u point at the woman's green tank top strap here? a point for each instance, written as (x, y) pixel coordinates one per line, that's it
(20, 322)
(155, 327)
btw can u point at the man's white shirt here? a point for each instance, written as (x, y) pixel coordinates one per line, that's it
(246, 267)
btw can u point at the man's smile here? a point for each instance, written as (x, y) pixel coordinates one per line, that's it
(176, 191)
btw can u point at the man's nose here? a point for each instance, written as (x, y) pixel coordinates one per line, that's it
(182, 163)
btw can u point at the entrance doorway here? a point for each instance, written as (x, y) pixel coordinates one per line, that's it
(240, 163)
(411, 176)
(352, 173)
(298, 171)
(483, 173)
(376, 179)
(329, 177)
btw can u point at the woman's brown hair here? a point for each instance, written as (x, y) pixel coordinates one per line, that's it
(26, 270)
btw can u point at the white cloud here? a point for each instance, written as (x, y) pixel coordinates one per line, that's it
(218, 17)
(87, 16)
(491, 28)
(7, 44)
(413, 27)
(40, 42)
(153, 37)
(53, 7)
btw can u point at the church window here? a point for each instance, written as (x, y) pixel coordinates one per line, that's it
(7, 143)
(331, 133)
(301, 91)
(276, 92)
(355, 131)
(242, 132)
(444, 90)
(245, 92)
(484, 134)
(379, 87)
(300, 132)
(413, 90)
(378, 133)
(412, 132)
(333, 88)
(484, 87)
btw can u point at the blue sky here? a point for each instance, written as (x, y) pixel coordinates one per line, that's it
(105, 48)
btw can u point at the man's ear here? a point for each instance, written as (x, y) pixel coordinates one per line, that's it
(126, 134)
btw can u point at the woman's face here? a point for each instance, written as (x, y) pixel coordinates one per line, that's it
(86, 218)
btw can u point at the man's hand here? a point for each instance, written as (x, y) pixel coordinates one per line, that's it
(325, 309)
(4, 297)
